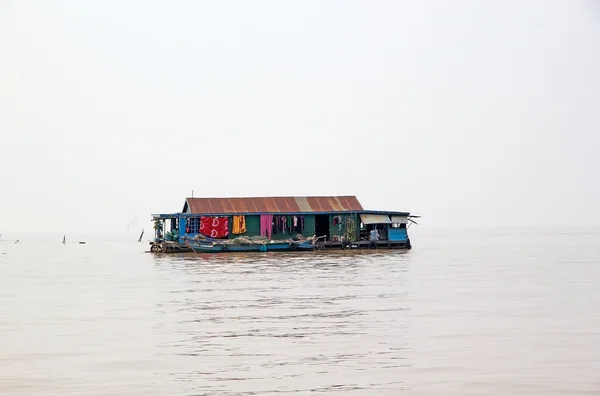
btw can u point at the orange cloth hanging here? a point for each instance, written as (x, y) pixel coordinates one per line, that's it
(239, 225)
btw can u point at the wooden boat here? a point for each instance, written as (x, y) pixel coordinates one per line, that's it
(273, 246)
(198, 241)
(202, 248)
(296, 245)
(242, 248)
(306, 245)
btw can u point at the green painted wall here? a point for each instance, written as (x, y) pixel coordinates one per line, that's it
(252, 227)
(309, 226)
(336, 229)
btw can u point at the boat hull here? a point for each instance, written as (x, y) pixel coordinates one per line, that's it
(242, 248)
(203, 247)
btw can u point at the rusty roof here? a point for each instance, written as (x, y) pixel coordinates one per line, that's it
(272, 205)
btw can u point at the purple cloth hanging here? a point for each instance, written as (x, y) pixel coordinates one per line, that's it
(266, 225)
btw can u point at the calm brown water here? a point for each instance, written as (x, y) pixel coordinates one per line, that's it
(464, 313)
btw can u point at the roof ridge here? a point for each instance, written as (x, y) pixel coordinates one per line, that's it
(274, 196)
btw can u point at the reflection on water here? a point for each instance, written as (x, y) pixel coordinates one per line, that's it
(480, 313)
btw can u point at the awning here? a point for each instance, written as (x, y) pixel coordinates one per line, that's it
(399, 219)
(375, 219)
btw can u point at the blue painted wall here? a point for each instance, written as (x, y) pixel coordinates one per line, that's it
(397, 234)
(182, 224)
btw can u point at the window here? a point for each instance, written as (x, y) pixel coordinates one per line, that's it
(193, 225)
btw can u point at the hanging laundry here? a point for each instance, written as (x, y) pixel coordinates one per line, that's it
(301, 224)
(269, 222)
(266, 225)
(283, 224)
(239, 225)
(214, 227)
(263, 230)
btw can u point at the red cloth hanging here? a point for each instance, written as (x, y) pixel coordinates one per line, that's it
(214, 227)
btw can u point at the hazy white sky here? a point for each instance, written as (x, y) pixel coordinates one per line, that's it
(466, 112)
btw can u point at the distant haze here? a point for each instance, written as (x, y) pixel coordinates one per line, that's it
(469, 113)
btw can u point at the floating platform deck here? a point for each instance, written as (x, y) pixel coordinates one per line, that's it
(365, 245)
(175, 247)
(169, 247)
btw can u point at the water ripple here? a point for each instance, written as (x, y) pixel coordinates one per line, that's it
(461, 314)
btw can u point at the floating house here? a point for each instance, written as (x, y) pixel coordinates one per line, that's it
(329, 222)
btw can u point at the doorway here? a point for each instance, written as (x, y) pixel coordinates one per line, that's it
(322, 225)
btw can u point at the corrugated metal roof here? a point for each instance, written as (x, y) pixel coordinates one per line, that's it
(273, 205)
